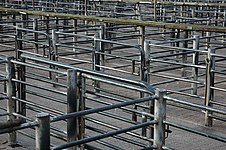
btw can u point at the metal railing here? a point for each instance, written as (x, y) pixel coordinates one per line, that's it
(99, 100)
(101, 103)
(190, 68)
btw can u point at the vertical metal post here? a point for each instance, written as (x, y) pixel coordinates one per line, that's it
(96, 55)
(138, 14)
(174, 11)
(96, 58)
(161, 13)
(24, 18)
(209, 94)
(160, 116)
(53, 56)
(80, 7)
(208, 34)
(224, 18)
(147, 79)
(11, 91)
(75, 23)
(193, 14)
(208, 40)
(142, 36)
(42, 134)
(142, 64)
(86, 2)
(177, 44)
(142, 57)
(164, 15)
(57, 23)
(65, 24)
(184, 56)
(35, 28)
(155, 10)
(20, 73)
(18, 43)
(82, 83)
(182, 11)
(108, 36)
(147, 61)
(14, 18)
(173, 33)
(54, 43)
(178, 37)
(72, 106)
(33, 4)
(216, 16)
(1, 27)
(195, 62)
(102, 47)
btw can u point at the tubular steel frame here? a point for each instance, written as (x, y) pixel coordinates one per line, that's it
(63, 40)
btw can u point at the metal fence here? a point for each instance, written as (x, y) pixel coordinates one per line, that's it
(92, 109)
(83, 102)
(95, 75)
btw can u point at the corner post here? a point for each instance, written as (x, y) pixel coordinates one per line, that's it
(209, 93)
(147, 79)
(72, 106)
(35, 28)
(195, 62)
(11, 91)
(42, 132)
(160, 116)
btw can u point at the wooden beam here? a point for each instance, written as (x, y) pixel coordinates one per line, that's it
(188, 27)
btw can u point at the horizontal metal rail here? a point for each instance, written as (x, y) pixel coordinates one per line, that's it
(109, 134)
(66, 66)
(202, 133)
(104, 108)
(196, 105)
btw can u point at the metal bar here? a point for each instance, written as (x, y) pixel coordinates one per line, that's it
(11, 108)
(3, 79)
(177, 48)
(203, 133)
(133, 134)
(177, 63)
(45, 96)
(209, 82)
(15, 122)
(195, 62)
(63, 65)
(58, 112)
(3, 97)
(196, 105)
(107, 144)
(134, 142)
(38, 67)
(72, 106)
(132, 87)
(40, 86)
(42, 133)
(20, 127)
(146, 114)
(29, 76)
(109, 134)
(184, 79)
(104, 108)
(160, 112)
(113, 97)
